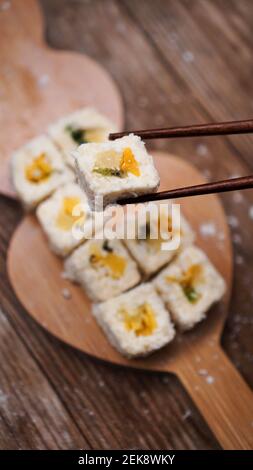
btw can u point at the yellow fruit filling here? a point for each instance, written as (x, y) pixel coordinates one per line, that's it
(39, 170)
(140, 320)
(95, 135)
(128, 163)
(165, 226)
(108, 163)
(112, 163)
(188, 281)
(65, 219)
(84, 136)
(115, 264)
(154, 244)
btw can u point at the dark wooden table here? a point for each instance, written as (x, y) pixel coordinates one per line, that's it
(176, 62)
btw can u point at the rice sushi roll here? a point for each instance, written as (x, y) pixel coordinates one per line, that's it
(116, 169)
(103, 268)
(80, 127)
(189, 286)
(136, 323)
(146, 248)
(67, 209)
(37, 170)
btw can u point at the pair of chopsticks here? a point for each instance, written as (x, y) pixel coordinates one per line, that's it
(223, 128)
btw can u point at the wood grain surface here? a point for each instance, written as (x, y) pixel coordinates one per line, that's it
(176, 63)
(196, 358)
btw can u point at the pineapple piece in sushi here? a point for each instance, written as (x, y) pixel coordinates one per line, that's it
(80, 127)
(65, 218)
(136, 323)
(38, 170)
(117, 169)
(103, 268)
(189, 286)
(146, 249)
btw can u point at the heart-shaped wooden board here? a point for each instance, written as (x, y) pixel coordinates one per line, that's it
(39, 85)
(196, 357)
(35, 274)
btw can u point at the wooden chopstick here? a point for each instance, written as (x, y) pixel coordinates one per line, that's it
(221, 128)
(223, 186)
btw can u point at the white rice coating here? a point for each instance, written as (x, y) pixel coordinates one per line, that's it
(127, 342)
(31, 193)
(62, 242)
(149, 258)
(97, 282)
(211, 288)
(113, 188)
(86, 118)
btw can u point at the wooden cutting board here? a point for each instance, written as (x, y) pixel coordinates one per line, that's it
(195, 357)
(38, 85)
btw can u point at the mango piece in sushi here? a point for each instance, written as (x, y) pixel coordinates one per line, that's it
(117, 169)
(189, 286)
(80, 127)
(65, 218)
(37, 170)
(136, 323)
(103, 268)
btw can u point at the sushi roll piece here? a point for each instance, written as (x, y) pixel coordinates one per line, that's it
(103, 268)
(136, 323)
(189, 286)
(37, 170)
(65, 218)
(115, 169)
(80, 127)
(146, 249)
